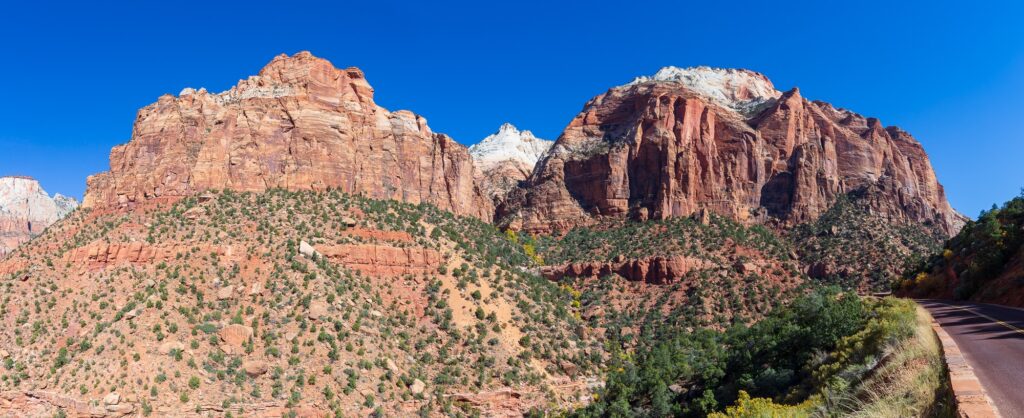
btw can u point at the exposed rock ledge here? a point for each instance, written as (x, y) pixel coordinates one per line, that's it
(652, 270)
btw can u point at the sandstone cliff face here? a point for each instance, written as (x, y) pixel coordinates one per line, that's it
(505, 158)
(300, 124)
(727, 141)
(26, 210)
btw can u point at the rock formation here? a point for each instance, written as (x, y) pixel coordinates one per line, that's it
(505, 158)
(300, 124)
(26, 210)
(653, 270)
(727, 141)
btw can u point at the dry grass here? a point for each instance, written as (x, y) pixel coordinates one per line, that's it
(909, 381)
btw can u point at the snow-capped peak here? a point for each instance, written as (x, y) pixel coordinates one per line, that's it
(509, 144)
(741, 90)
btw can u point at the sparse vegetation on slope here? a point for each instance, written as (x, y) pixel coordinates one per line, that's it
(292, 301)
(984, 262)
(851, 247)
(213, 303)
(711, 274)
(681, 235)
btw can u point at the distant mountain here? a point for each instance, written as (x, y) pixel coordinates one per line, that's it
(505, 158)
(26, 210)
(301, 124)
(725, 140)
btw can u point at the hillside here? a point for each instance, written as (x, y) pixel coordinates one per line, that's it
(849, 245)
(984, 262)
(216, 304)
(673, 275)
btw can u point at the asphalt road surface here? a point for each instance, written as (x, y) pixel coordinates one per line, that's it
(991, 338)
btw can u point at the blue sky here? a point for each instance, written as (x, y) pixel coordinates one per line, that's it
(75, 73)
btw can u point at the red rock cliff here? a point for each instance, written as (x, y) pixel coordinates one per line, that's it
(300, 124)
(727, 141)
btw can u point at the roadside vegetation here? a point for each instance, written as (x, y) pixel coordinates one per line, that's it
(982, 262)
(829, 353)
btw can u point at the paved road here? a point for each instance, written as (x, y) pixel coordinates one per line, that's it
(991, 338)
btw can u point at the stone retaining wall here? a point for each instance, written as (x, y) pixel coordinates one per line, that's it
(969, 394)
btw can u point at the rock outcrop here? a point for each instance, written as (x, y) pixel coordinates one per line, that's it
(26, 210)
(727, 141)
(505, 158)
(300, 124)
(651, 270)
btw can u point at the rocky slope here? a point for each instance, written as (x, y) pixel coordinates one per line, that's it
(300, 124)
(505, 158)
(284, 304)
(983, 263)
(850, 246)
(728, 141)
(26, 210)
(639, 279)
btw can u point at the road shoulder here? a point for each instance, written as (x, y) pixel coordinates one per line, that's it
(971, 399)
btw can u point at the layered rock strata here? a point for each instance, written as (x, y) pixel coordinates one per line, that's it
(300, 124)
(26, 210)
(724, 140)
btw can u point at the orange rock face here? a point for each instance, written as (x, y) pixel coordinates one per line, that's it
(300, 124)
(660, 149)
(386, 260)
(653, 270)
(98, 255)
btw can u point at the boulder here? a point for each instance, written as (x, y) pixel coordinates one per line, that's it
(134, 313)
(234, 337)
(307, 250)
(317, 309)
(123, 409)
(194, 213)
(112, 398)
(255, 368)
(746, 267)
(256, 288)
(226, 292)
(166, 347)
(417, 387)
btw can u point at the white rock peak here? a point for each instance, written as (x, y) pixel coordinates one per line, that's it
(741, 90)
(24, 198)
(509, 144)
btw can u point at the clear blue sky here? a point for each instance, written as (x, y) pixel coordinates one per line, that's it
(75, 74)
